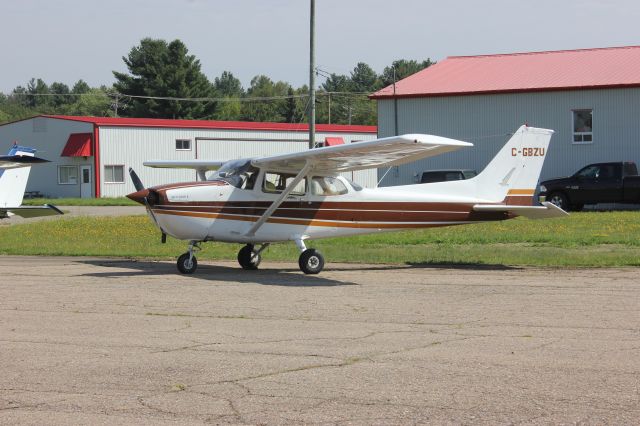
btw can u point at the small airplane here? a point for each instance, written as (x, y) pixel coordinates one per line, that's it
(301, 196)
(14, 173)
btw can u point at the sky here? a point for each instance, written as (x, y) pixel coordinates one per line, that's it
(68, 40)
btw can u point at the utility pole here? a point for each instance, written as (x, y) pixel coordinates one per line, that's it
(395, 103)
(312, 76)
(329, 107)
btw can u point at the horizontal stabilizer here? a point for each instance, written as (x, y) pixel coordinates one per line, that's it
(545, 211)
(31, 211)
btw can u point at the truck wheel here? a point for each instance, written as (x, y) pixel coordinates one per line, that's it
(559, 199)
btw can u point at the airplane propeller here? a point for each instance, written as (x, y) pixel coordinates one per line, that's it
(144, 196)
(137, 183)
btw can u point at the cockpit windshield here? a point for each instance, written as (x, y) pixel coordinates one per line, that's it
(239, 173)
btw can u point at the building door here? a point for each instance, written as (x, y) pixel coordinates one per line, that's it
(85, 182)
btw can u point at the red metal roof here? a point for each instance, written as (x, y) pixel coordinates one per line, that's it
(78, 145)
(523, 72)
(212, 124)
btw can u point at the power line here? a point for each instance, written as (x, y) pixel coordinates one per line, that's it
(203, 99)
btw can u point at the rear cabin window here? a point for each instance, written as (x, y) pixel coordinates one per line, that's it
(327, 186)
(275, 183)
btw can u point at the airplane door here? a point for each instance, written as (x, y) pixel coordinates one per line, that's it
(85, 182)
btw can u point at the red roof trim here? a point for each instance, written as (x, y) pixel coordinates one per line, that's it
(211, 124)
(78, 145)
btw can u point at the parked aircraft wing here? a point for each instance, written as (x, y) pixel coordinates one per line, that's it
(17, 161)
(545, 211)
(30, 211)
(385, 152)
(205, 165)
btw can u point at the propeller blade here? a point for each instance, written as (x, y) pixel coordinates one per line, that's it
(137, 183)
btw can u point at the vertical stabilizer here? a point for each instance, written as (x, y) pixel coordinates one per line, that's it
(13, 182)
(512, 176)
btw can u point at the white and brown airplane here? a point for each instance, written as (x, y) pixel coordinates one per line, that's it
(302, 196)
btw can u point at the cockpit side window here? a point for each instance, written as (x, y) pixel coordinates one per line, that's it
(275, 183)
(240, 173)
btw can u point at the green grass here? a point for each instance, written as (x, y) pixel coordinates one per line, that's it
(582, 240)
(119, 201)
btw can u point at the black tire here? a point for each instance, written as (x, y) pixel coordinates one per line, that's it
(248, 258)
(186, 267)
(559, 199)
(311, 261)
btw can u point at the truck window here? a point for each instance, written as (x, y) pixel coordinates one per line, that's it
(589, 172)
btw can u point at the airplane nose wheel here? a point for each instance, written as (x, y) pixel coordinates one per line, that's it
(187, 262)
(311, 261)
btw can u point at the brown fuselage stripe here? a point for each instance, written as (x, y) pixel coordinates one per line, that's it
(529, 192)
(306, 222)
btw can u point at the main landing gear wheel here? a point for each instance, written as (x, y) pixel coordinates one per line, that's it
(311, 261)
(187, 263)
(249, 258)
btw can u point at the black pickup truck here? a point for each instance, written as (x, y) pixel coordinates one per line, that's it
(596, 183)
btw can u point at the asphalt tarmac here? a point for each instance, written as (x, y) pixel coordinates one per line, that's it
(97, 341)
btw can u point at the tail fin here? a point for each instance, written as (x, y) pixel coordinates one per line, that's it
(512, 176)
(13, 182)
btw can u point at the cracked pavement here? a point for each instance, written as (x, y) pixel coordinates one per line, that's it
(112, 341)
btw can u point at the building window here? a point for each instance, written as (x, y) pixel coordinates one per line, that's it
(183, 144)
(113, 174)
(67, 175)
(582, 126)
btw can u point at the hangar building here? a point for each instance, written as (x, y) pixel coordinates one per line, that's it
(590, 97)
(90, 156)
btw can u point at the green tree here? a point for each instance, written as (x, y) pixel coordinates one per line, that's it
(80, 87)
(403, 69)
(265, 110)
(230, 88)
(94, 102)
(61, 96)
(364, 79)
(228, 85)
(36, 94)
(161, 69)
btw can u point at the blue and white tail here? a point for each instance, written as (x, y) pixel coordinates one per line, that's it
(13, 180)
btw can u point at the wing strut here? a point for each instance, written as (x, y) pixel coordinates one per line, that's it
(272, 208)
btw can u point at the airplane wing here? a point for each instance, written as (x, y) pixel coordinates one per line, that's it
(200, 166)
(17, 161)
(30, 211)
(385, 152)
(547, 210)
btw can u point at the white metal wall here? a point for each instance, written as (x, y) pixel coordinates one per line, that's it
(131, 146)
(48, 136)
(485, 120)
